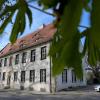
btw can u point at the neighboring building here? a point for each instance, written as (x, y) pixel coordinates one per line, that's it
(26, 64)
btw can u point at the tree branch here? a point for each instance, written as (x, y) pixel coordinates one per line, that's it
(41, 10)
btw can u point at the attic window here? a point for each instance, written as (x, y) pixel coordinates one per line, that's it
(22, 45)
(22, 41)
(10, 49)
(1, 52)
(37, 34)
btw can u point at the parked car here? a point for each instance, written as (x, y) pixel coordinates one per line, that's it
(97, 88)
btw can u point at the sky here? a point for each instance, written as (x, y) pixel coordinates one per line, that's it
(39, 18)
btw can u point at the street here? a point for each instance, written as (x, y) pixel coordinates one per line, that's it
(68, 95)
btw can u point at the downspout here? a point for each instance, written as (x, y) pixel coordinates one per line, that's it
(50, 76)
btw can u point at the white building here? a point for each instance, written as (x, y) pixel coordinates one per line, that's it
(26, 64)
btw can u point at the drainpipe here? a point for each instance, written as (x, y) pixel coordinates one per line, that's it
(50, 76)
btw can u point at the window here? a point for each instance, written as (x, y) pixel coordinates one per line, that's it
(10, 61)
(5, 62)
(73, 77)
(32, 55)
(32, 75)
(42, 75)
(3, 77)
(15, 76)
(64, 76)
(1, 63)
(23, 76)
(24, 55)
(43, 53)
(0, 75)
(17, 59)
(81, 80)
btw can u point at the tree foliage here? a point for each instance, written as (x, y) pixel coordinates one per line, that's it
(66, 42)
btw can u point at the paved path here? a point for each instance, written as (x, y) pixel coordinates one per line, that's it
(69, 95)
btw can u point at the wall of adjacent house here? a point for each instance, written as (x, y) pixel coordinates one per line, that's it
(60, 85)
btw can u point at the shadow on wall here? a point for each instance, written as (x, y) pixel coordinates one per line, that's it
(24, 67)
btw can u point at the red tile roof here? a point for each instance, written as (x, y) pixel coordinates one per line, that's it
(40, 36)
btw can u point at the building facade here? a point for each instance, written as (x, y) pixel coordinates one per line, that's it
(26, 64)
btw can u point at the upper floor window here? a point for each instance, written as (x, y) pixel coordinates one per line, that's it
(64, 76)
(1, 62)
(32, 75)
(10, 61)
(73, 77)
(3, 77)
(42, 75)
(22, 76)
(33, 53)
(5, 62)
(15, 76)
(17, 59)
(43, 53)
(24, 55)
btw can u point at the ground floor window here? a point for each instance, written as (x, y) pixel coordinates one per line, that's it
(32, 75)
(15, 76)
(73, 77)
(3, 77)
(64, 76)
(22, 76)
(0, 75)
(42, 75)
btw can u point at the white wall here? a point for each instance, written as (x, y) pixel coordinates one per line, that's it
(37, 65)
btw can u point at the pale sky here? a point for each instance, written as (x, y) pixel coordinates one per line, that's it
(39, 18)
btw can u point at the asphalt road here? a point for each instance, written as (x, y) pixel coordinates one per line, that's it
(71, 95)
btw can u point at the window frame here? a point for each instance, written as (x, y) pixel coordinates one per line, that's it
(23, 76)
(42, 75)
(33, 55)
(65, 76)
(15, 76)
(5, 62)
(3, 76)
(32, 76)
(24, 57)
(17, 59)
(43, 52)
(1, 61)
(10, 60)
(74, 78)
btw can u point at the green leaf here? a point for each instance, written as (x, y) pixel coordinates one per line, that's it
(95, 22)
(16, 28)
(49, 3)
(66, 55)
(1, 3)
(29, 14)
(23, 23)
(5, 23)
(86, 5)
(8, 9)
(71, 19)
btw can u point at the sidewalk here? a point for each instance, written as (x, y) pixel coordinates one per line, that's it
(78, 90)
